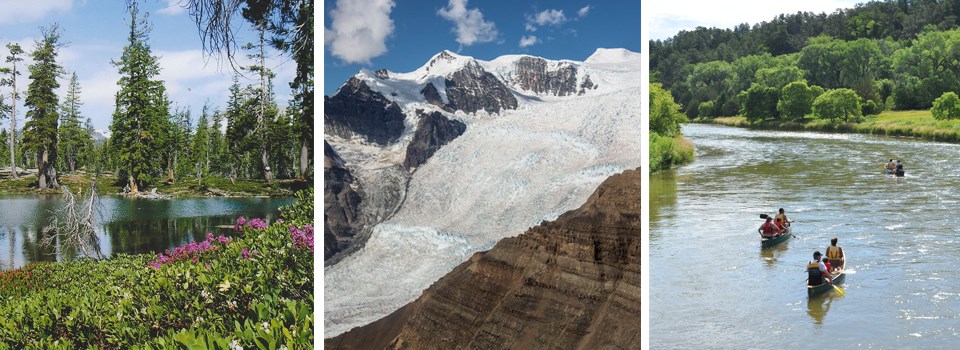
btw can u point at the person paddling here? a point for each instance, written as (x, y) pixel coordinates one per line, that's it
(782, 217)
(899, 171)
(817, 271)
(891, 166)
(768, 229)
(835, 254)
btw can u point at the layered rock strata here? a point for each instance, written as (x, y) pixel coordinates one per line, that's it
(341, 204)
(358, 110)
(573, 283)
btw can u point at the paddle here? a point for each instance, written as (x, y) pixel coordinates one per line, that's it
(765, 216)
(837, 289)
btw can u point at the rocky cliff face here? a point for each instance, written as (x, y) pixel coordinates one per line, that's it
(571, 283)
(532, 74)
(471, 89)
(341, 203)
(433, 131)
(358, 110)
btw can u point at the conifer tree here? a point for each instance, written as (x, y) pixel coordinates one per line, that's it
(201, 146)
(11, 80)
(73, 136)
(140, 119)
(216, 161)
(40, 130)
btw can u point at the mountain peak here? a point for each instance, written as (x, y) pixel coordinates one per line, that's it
(615, 55)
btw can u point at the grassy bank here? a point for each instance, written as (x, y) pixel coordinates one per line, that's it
(917, 124)
(254, 292)
(183, 187)
(669, 152)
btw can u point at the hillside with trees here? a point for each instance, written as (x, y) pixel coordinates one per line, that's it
(840, 67)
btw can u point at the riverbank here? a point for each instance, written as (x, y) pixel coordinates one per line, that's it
(916, 124)
(184, 187)
(254, 291)
(669, 152)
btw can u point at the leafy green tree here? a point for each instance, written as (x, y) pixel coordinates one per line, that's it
(778, 77)
(73, 136)
(759, 102)
(710, 81)
(837, 105)
(40, 131)
(140, 119)
(11, 72)
(926, 69)
(707, 110)
(665, 116)
(947, 106)
(796, 99)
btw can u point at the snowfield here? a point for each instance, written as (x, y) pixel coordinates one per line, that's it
(505, 174)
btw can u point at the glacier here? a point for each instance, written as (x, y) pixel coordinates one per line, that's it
(508, 172)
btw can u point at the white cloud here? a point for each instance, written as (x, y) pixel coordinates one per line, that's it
(173, 8)
(528, 40)
(359, 29)
(551, 17)
(583, 11)
(470, 26)
(20, 11)
(667, 18)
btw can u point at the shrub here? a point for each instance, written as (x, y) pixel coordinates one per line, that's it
(947, 106)
(838, 105)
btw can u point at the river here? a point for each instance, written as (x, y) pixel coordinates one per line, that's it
(123, 226)
(712, 286)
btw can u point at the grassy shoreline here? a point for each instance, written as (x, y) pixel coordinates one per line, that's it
(669, 152)
(914, 124)
(254, 291)
(182, 188)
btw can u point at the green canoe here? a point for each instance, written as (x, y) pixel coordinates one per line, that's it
(837, 276)
(769, 242)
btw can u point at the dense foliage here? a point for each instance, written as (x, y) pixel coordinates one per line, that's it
(893, 54)
(254, 291)
(76, 143)
(946, 106)
(667, 146)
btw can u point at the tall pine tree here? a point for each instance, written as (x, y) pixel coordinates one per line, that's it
(40, 131)
(200, 150)
(140, 120)
(11, 80)
(73, 136)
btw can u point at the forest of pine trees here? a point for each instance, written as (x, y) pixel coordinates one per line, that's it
(152, 139)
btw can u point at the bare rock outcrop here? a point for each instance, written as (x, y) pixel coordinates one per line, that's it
(472, 88)
(341, 204)
(433, 131)
(358, 110)
(573, 283)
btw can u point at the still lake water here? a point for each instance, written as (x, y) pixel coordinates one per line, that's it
(124, 226)
(712, 286)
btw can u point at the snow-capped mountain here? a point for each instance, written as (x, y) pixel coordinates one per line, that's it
(460, 153)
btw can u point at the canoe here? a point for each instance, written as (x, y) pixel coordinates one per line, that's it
(838, 276)
(889, 171)
(769, 242)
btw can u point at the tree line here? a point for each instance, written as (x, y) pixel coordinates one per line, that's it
(151, 139)
(879, 55)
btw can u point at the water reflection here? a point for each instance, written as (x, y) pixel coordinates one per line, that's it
(771, 254)
(125, 225)
(818, 306)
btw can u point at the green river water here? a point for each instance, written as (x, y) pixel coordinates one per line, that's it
(712, 286)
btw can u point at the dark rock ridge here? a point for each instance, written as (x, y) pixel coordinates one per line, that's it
(573, 283)
(472, 88)
(532, 74)
(586, 85)
(358, 110)
(432, 96)
(341, 204)
(433, 131)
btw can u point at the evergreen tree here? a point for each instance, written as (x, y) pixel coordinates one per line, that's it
(89, 156)
(265, 106)
(216, 161)
(73, 136)
(200, 150)
(11, 80)
(178, 145)
(40, 131)
(140, 119)
(235, 133)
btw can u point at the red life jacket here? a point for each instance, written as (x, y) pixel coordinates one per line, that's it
(768, 228)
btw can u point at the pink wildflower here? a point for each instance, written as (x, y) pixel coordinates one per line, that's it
(245, 253)
(257, 223)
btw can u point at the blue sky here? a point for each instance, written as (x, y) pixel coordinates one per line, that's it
(667, 18)
(403, 35)
(96, 32)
